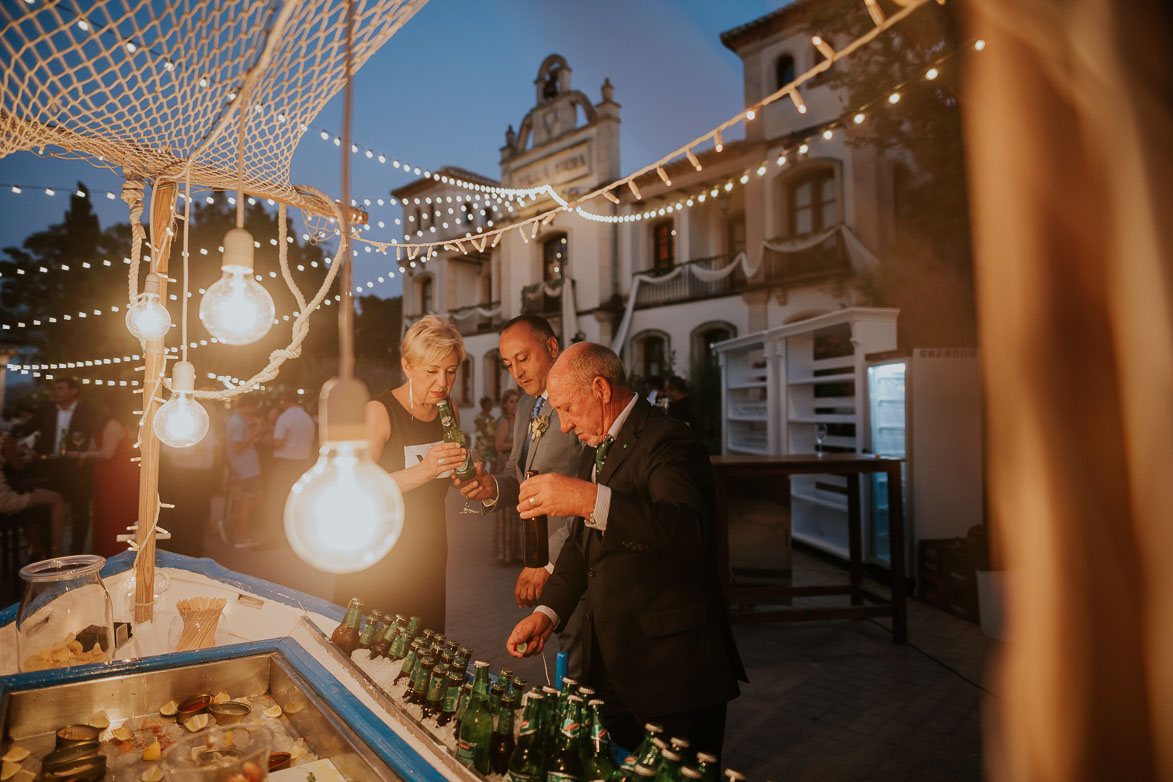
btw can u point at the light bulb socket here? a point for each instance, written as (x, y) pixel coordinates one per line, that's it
(343, 409)
(152, 284)
(182, 377)
(238, 249)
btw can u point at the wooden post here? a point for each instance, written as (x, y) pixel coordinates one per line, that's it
(162, 206)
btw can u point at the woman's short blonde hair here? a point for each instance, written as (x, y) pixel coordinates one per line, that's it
(429, 340)
(508, 394)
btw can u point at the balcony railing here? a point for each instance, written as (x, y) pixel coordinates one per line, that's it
(470, 320)
(827, 258)
(536, 300)
(686, 286)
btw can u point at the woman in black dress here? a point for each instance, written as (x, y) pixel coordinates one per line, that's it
(407, 440)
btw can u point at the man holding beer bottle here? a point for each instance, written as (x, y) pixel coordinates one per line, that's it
(528, 349)
(656, 633)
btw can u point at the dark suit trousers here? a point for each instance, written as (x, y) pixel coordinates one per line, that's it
(704, 728)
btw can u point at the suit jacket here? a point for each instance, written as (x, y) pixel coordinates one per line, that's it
(653, 599)
(554, 452)
(85, 421)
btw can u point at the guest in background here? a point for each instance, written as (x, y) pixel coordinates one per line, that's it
(68, 424)
(244, 466)
(293, 453)
(115, 476)
(14, 502)
(679, 404)
(506, 523)
(186, 481)
(486, 432)
(654, 388)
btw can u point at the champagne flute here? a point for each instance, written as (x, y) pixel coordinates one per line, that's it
(820, 435)
(78, 439)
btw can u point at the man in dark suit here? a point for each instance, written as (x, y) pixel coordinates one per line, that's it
(659, 646)
(528, 349)
(68, 424)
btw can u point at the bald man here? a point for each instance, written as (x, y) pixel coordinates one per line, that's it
(656, 634)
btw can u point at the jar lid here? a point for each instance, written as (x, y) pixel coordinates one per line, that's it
(62, 568)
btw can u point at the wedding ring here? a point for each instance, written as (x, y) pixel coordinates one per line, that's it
(441, 461)
(533, 501)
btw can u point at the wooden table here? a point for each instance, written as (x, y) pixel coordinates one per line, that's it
(769, 468)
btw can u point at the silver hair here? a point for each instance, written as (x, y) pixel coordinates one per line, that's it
(584, 361)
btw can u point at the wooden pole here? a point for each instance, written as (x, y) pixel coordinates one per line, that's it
(162, 207)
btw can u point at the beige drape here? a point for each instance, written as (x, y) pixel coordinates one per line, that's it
(1070, 137)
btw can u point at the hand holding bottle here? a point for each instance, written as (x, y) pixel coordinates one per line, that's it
(551, 494)
(482, 487)
(529, 636)
(443, 457)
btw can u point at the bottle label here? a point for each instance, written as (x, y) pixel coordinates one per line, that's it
(558, 776)
(521, 776)
(570, 729)
(451, 698)
(466, 752)
(527, 727)
(435, 689)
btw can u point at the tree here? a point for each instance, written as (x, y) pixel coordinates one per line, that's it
(929, 272)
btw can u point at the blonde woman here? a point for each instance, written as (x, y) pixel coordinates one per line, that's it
(407, 440)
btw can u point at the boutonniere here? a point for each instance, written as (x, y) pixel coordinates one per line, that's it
(539, 424)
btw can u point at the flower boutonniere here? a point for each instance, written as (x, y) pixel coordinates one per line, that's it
(539, 424)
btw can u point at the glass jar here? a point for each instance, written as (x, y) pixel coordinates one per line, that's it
(65, 617)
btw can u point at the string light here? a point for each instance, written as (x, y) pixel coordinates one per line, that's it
(634, 189)
(718, 144)
(796, 99)
(237, 310)
(182, 421)
(875, 12)
(147, 318)
(823, 47)
(692, 158)
(664, 176)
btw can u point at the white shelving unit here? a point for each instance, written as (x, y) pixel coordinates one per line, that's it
(780, 383)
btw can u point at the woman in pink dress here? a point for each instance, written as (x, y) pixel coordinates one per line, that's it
(115, 498)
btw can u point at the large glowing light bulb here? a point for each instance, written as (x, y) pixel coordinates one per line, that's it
(236, 310)
(147, 318)
(346, 512)
(182, 421)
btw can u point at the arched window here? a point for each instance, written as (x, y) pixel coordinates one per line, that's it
(468, 218)
(784, 70)
(418, 218)
(652, 354)
(705, 336)
(555, 253)
(663, 245)
(813, 206)
(426, 302)
(491, 369)
(488, 213)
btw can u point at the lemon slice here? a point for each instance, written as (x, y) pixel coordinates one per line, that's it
(293, 707)
(8, 769)
(152, 774)
(296, 751)
(169, 709)
(273, 711)
(100, 721)
(16, 754)
(197, 723)
(152, 752)
(122, 734)
(221, 697)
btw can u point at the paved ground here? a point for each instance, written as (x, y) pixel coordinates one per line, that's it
(826, 700)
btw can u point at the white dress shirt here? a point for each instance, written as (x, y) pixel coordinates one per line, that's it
(64, 417)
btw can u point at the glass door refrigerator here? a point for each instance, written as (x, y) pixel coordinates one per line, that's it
(925, 406)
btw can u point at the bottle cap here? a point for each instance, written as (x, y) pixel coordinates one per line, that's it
(481, 664)
(678, 742)
(670, 754)
(652, 727)
(688, 772)
(660, 743)
(705, 757)
(595, 702)
(643, 771)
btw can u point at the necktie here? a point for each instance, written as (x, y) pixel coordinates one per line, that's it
(601, 453)
(529, 432)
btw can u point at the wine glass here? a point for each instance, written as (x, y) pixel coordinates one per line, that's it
(820, 435)
(472, 459)
(78, 439)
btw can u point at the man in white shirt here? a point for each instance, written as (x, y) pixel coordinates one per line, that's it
(293, 453)
(68, 424)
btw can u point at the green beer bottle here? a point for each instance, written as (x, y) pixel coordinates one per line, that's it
(476, 727)
(668, 769)
(420, 678)
(708, 766)
(409, 664)
(345, 636)
(413, 626)
(496, 693)
(565, 764)
(461, 707)
(682, 747)
(451, 698)
(452, 434)
(501, 744)
(367, 636)
(598, 762)
(643, 772)
(437, 685)
(525, 764)
(651, 731)
(382, 646)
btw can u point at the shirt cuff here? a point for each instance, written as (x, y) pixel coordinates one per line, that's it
(598, 519)
(550, 568)
(549, 612)
(497, 493)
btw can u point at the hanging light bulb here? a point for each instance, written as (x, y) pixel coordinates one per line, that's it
(147, 318)
(236, 309)
(346, 512)
(182, 421)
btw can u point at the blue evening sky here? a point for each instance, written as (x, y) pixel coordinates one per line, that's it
(444, 88)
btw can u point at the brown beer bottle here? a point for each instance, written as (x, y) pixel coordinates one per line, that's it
(535, 540)
(345, 636)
